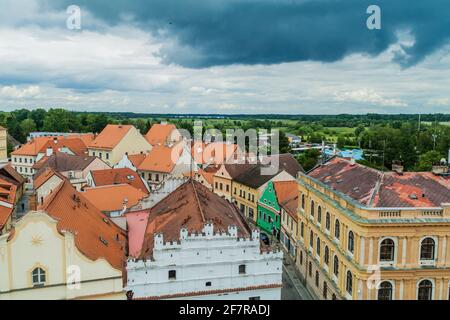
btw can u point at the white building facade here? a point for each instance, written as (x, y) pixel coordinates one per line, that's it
(207, 266)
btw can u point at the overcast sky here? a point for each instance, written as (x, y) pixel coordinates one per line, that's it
(226, 56)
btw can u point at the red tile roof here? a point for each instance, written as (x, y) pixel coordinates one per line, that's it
(213, 153)
(287, 196)
(40, 145)
(136, 226)
(190, 206)
(8, 193)
(161, 158)
(113, 198)
(96, 236)
(374, 188)
(110, 137)
(118, 176)
(159, 133)
(136, 159)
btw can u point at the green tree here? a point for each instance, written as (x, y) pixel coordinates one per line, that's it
(27, 126)
(309, 159)
(427, 160)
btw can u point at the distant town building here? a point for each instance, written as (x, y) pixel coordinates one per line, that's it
(197, 246)
(24, 158)
(73, 167)
(163, 134)
(357, 224)
(108, 177)
(114, 200)
(164, 161)
(115, 141)
(269, 217)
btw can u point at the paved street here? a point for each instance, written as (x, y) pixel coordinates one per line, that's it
(293, 288)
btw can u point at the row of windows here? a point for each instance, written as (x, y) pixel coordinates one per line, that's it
(100, 155)
(219, 186)
(151, 177)
(267, 218)
(25, 160)
(24, 170)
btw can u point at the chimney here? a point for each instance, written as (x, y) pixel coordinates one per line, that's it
(49, 151)
(55, 140)
(397, 167)
(32, 201)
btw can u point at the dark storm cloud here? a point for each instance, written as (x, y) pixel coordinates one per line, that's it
(203, 33)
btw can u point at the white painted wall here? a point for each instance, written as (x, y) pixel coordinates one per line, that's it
(203, 258)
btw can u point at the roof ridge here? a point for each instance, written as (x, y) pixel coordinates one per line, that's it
(198, 201)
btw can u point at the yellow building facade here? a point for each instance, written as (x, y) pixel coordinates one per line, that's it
(39, 262)
(352, 251)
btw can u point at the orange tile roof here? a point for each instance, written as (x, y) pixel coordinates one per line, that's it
(118, 176)
(110, 136)
(46, 174)
(190, 206)
(112, 198)
(40, 145)
(136, 159)
(5, 213)
(96, 236)
(287, 196)
(159, 133)
(161, 159)
(213, 153)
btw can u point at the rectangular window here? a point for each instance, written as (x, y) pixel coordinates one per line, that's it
(172, 274)
(107, 156)
(242, 269)
(216, 185)
(228, 188)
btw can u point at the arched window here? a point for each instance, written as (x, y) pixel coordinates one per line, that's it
(327, 221)
(310, 269)
(387, 250)
(319, 214)
(311, 239)
(318, 246)
(312, 209)
(349, 285)
(351, 242)
(325, 290)
(38, 277)
(326, 255)
(425, 290)
(337, 229)
(303, 201)
(317, 278)
(301, 257)
(385, 291)
(302, 229)
(336, 266)
(427, 249)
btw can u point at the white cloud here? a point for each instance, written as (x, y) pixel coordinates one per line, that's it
(439, 102)
(368, 96)
(13, 92)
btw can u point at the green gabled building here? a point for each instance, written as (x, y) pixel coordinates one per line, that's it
(269, 211)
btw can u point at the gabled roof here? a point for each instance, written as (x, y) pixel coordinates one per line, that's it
(378, 189)
(136, 159)
(41, 144)
(118, 176)
(212, 153)
(8, 171)
(159, 133)
(63, 162)
(190, 206)
(5, 213)
(44, 176)
(96, 236)
(161, 159)
(113, 198)
(254, 178)
(110, 136)
(287, 196)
